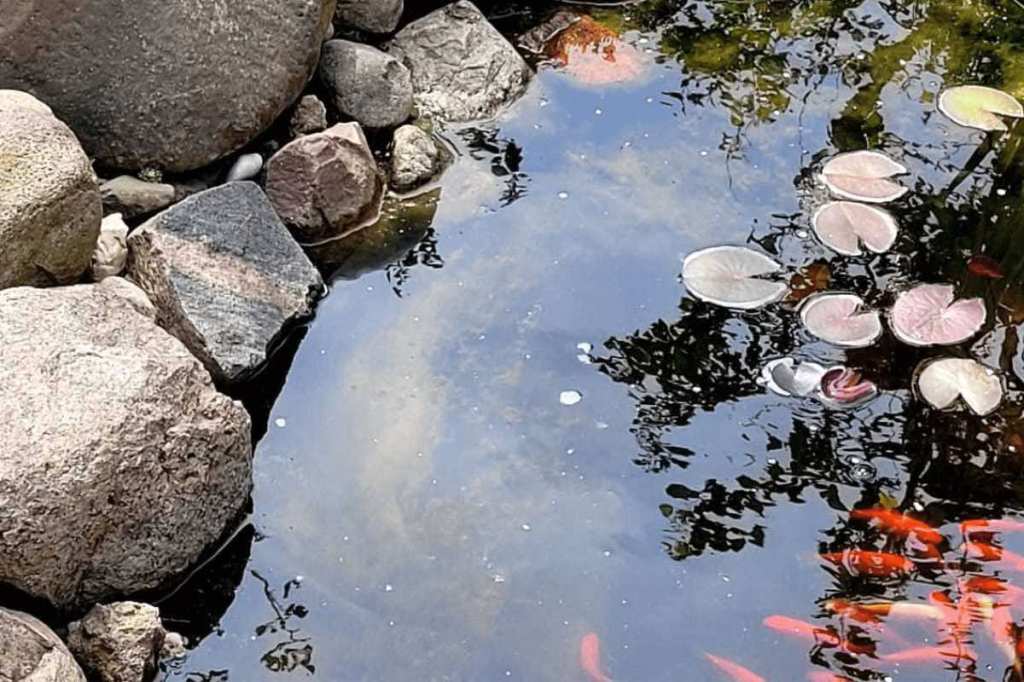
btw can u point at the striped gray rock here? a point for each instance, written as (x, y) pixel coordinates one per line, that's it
(225, 275)
(31, 652)
(168, 85)
(50, 207)
(462, 68)
(121, 463)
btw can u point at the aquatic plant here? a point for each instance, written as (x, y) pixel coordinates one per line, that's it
(844, 225)
(929, 315)
(976, 106)
(942, 381)
(841, 319)
(864, 176)
(732, 276)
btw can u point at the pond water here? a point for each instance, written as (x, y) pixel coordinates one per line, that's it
(510, 426)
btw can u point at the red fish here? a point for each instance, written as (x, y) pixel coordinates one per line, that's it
(985, 266)
(984, 551)
(869, 562)
(990, 525)
(862, 613)
(734, 670)
(929, 653)
(590, 658)
(895, 523)
(822, 636)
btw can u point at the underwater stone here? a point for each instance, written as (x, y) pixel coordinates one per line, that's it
(226, 277)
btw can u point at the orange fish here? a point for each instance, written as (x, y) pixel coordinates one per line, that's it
(590, 658)
(1001, 628)
(862, 613)
(823, 636)
(929, 653)
(734, 670)
(990, 525)
(869, 562)
(895, 523)
(984, 551)
(985, 266)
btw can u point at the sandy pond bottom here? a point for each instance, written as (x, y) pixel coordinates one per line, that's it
(509, 426)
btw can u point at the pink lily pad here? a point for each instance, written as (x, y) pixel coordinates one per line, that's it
(841, 320)
(846, 388)
(844, 225)
(732, 276)
(864, 176)
(941, 382)
(928, 315)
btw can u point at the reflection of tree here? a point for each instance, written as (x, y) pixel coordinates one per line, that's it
(294, 650)
(505, 157)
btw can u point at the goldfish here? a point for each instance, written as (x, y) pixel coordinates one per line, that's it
(862, 613)
(870, 562)
(985, 266)
(822, 676)
(984, 551)
(734, 670)
(822, 636)
(990, 525)
(590, 658)
(895, 523)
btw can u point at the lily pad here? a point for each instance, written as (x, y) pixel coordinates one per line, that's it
(786, 377)
(940, 382)
(928, 315)
(731, 276)
(976, 106)
(864, 176)
(844, 225)
(841, 320)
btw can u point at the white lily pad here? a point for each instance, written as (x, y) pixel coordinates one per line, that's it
(976, 106)
(929, 315)
(841, 320)
(864, 176)
(732, 276)
(940, 382)
(788, 378)
(844, 225)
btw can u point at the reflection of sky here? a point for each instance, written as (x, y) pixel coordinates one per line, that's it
(451, 520)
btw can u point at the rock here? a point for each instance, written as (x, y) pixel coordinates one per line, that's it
(132, 197)
(462, 68)
(140, 91)
(416, 158)
(323, 185)
(50, 207)
(32, 652)
(174, 646)
(308, 117)
(121, 463)
(225, 276)
(373, 16)
(245, 167)
(119, 642)
(111, 254)
(366, 84)
(537, 38)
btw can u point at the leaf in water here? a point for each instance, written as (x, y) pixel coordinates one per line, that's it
(940, 382)
(887, 501)
(844, 225)
(864, 176)
(730, 276)
(976, 106)
(787, 378)
(594, 54)
(928, 316)
(810, 279)
(985, 266)
(841, 320)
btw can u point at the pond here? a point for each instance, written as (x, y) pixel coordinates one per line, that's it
(511, 433)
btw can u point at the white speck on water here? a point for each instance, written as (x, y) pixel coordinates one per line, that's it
(280, 422)
(570, 397)
(388, 588)
(498, 578)
(1001, 192)
(543, 101)
(773, 461)
(584, 346)
(601, 425)
(703, 152)
(584, 358)
(563, 195)
(526, 526)
(598, 112)
(607, 552)
(802, 234)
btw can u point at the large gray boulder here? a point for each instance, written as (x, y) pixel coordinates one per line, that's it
(169, 85)
(366, 85)
(225, 275)
(373, 16)
(119, 642)
(325, 185)
(50, 207)
(120, 461)
(462, 68)
(31, 652)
